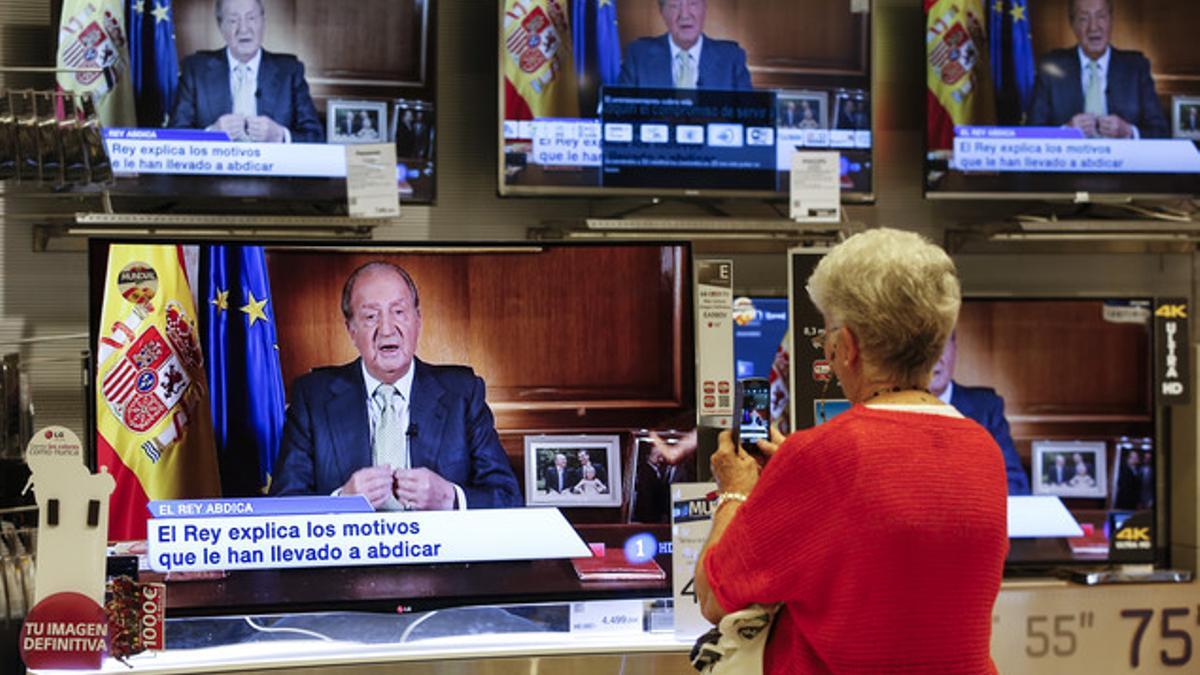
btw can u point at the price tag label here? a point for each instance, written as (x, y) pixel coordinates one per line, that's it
(691, 521)
(371, 188)
(816, 195)
(607, 616)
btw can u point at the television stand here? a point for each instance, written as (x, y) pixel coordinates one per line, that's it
(1129, 574)
(708, 206)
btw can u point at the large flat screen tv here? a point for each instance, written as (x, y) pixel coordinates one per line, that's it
(680, 97)
(1087, 100)
(258, 98)
(1066, 387)
(203, 348)
(1076, 417)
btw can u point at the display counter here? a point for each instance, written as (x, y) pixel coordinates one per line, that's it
(461, 639)
(1039, 626)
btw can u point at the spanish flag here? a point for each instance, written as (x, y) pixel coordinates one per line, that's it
(958, 73)
(539, 73)
(153, 422)
(91, 36)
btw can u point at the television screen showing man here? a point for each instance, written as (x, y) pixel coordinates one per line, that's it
(405, 434)
(247, 92)
(983, 405)
(1103, 91)
(684, 57)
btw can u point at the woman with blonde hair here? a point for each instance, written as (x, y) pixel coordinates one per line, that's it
(880, 557)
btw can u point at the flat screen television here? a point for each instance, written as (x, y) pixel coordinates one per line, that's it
(681, 97)
(1014, 109)
(1079, 417)
(576, 346)
(1072, 390)
(258, 99)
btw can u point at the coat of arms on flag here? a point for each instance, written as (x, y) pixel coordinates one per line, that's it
(91, 39)
(146, 382)
(955, 38)
(533, 40)
(151, 378)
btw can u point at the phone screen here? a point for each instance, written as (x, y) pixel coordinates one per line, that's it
(755, 414)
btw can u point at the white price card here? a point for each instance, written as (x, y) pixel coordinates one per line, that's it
(691, 521)
(371, 188)
(607, 616)
(816, 194)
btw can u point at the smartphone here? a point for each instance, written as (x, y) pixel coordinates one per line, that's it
(752, 418)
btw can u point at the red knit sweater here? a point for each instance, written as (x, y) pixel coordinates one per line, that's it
(884, 533)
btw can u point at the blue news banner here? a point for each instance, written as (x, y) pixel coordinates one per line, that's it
(211, 153)
(267, 533)
(1067, 150)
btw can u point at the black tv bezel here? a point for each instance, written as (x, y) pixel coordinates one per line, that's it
(509, 191)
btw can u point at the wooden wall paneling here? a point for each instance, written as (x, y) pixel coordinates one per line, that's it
(1055, 360)
(589, 321)
(566, 338)
(784, 40)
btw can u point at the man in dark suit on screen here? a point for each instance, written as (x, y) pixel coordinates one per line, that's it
(402, 433)
(244, 90)
(684, 57)
(558, 477)
(984, 406)
(1103, 91)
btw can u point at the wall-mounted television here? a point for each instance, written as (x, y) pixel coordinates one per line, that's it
(210, 394)
(250, 98)
(1086, 100)
(1075, 392)
(1069, 383)
(681, 97)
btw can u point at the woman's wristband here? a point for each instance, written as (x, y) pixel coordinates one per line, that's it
(724, 497)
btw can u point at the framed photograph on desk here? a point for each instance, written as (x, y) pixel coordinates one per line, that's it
(351, 122)
(579, 470)
(1070, 469)
(1185, 117)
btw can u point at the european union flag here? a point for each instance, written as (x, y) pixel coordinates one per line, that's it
(245, 379)
(1011, 50)
(152, 59)
(597, 48)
